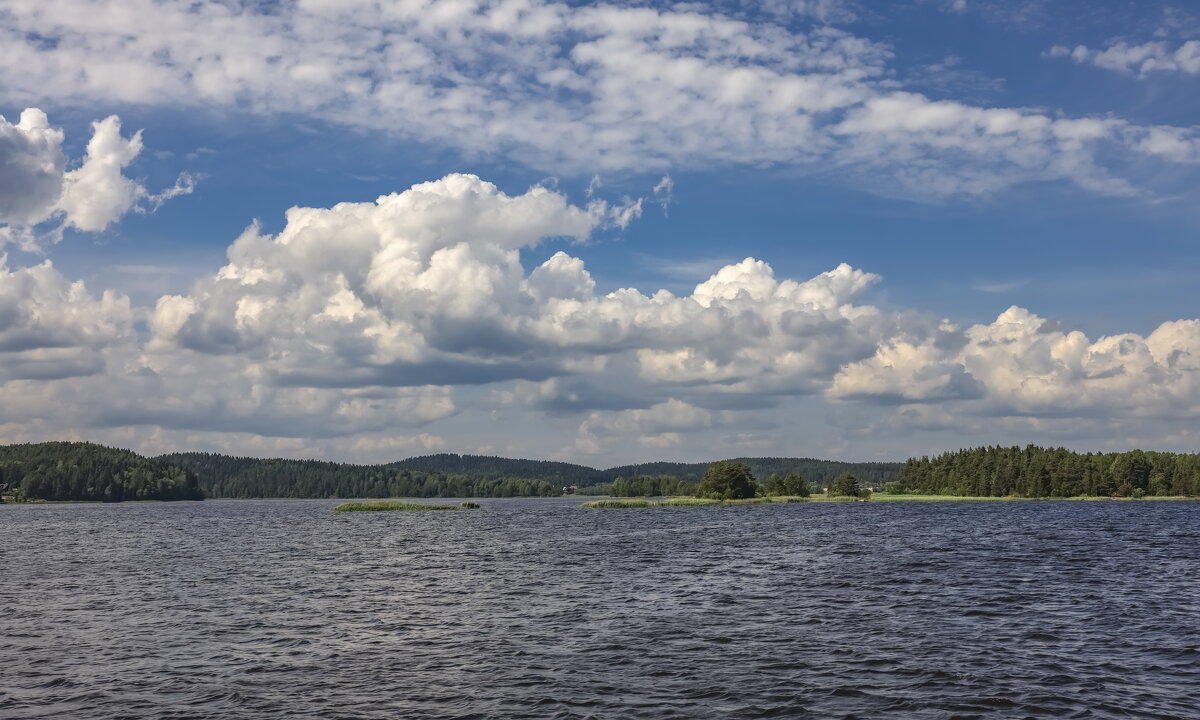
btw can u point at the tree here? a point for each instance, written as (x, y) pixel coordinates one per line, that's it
(727, 480)
(845, 485)
(790, 484)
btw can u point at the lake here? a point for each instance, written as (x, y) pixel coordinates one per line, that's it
(537, 608)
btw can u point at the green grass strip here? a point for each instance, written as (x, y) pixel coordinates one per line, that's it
(383, 505)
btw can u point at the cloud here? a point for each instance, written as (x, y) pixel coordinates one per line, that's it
(1144, 60)
(1000, 287)
(51, 328)
(96, 194)
(360, 318)
(570, 89)
(427, 287)
(658, 426)
(414, 322)
(1022, 365)
(31, 168)
(36, 186)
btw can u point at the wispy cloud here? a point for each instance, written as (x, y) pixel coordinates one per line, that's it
(999, 287)
(1141, 60)
(693, 270)
(575, 89)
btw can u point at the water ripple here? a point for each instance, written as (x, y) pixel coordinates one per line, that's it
(538, 609)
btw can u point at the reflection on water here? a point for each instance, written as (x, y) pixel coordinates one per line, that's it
(536, 608)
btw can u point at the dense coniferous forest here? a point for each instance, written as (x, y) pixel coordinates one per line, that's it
(452, 475)
(224, 476)
(485, 466)
(86, 471)
(1050, 472)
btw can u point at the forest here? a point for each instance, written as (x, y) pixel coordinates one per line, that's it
(487, 466)
(1049, 472)
(224, 476)
(452, 475)
(67, 471)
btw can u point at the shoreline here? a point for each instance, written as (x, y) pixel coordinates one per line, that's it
(671, 502)
(660, 501)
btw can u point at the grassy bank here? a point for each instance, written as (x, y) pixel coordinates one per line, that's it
(877, 497)
(686, 502)
(401, 505)
(882, 497)
(619, 503)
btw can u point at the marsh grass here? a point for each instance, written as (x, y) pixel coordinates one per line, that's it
(885, 497)
(380, 505)
(468, 505)
(689, 502)
(619, 503)
(685, 501)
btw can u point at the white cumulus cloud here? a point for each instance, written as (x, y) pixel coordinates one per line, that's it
(1022, 365)
(51, 328)
(416, 321)
(36, 186)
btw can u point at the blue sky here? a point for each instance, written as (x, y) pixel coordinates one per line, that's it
(974, 156)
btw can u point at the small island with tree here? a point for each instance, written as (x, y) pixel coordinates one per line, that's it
(728, 482)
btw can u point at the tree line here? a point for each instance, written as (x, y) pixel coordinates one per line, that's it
(87, 471)
(734, 480)
(224, 476)
(492, 467)
(452, 475)
(1034, 471)
(67, 471)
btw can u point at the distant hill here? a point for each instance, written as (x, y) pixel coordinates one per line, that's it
(87, 471)
(454, 475)
(813, 470)
(224, 476)
(492, 467)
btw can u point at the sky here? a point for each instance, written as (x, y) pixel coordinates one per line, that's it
(600, 232)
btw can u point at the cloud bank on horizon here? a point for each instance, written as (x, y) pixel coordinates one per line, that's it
(359, 319)
(412, 323)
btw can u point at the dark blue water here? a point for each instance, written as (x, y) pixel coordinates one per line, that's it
(536, 608)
